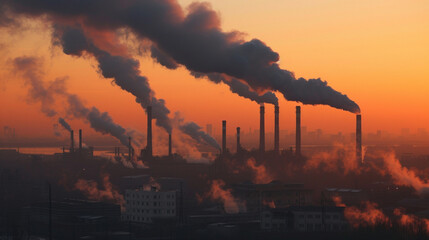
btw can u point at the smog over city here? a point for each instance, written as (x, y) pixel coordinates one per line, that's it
(180, 119)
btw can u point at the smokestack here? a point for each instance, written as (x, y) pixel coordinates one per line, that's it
(276, 129)
(149, 131)
(80, 140)
(169, 144)
(129, 149)
(298, 131)
(72, 141)
(223, 136)
(238, 140)
(262, 129)
(359, 138)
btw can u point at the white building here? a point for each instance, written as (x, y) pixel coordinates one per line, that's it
(145, 205)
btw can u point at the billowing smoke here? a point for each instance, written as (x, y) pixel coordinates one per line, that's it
(240, 88)
(99, 121)
(260, 172)
(125, 71)
(219, 192)
(404, 176)
(93, 192)
(193, 39)
(63, 123)
(194, 131)
(38, 91)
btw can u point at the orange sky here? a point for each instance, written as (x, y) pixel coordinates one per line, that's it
(375, 51)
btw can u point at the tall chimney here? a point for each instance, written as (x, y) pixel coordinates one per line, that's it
(276, 130)
(149, 131)
(238, 140)
(169, 144)
(72, 141)
(223, 136)
(359, 138)
(80, 140)
(298, 131)
(262, 129)
(129, 149)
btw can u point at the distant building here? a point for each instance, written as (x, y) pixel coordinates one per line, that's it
(71, 218)
(304, 219)
(146, 205)
(348, 195)
(274, 194)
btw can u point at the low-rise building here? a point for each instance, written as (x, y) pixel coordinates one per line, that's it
(146, 205)
(305, 219)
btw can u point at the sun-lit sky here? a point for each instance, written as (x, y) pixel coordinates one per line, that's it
(375, 51)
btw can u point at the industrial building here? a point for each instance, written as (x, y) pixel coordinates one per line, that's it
(144, 206)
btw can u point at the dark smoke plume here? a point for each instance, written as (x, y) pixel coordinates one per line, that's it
(100, 122)
(193, 39)
(125, 71)
(240, 88)
(235, 85)
(193, 130)
(126, 74)
(64, 124)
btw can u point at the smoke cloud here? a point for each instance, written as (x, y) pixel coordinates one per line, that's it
(64, 124)
(261, 175)
(230, 203)
(91, 190)
(193, 39)
(45, 94)
(194, 131)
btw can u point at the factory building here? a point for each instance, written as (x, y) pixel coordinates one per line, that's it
(144, 206)
(304, 219)
(280, 195)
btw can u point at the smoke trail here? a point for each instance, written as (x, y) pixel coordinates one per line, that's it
(64, 124)
(193, 130)
(261, 175)
(235, 85)
(126, 74)
(91, 190)
(125, 71)
(194, 39)
(240, 88)
(38, 90)
(404, 176)
(230, 203)
(100, 122)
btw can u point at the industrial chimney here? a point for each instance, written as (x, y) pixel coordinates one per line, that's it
(276, 130)
(169, 145)
(130, 150)
(72, 141)
(359, 138)
(238, 140)
(262, 129)
(149, 132)
(80, 140)
(298, 131)
(223, 136)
